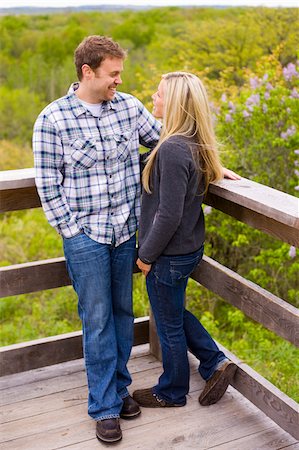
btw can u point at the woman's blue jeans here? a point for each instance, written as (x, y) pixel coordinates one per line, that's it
(177, 328)
(102, 278)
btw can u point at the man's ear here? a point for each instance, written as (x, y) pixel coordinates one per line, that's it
(87, 71)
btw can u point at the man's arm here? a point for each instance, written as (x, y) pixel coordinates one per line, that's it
(148, 127)
(48, 161)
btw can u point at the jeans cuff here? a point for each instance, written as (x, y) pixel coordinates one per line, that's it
(220, 364)
(109, 416)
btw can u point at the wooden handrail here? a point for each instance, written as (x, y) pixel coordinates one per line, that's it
(257, 303)
(259, 206)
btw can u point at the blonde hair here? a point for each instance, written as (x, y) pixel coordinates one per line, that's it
(186, 112)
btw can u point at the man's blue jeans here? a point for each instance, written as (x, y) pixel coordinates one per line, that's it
(102, 278)
(177, 328)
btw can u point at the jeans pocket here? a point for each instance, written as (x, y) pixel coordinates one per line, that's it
(180, 270)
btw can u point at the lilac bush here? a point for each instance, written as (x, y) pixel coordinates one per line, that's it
(258, 127)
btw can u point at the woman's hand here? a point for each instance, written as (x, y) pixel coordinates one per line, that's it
(230, 174)
(145, 268)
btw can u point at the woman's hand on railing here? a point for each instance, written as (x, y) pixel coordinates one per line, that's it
(145, 268)
(230, 174)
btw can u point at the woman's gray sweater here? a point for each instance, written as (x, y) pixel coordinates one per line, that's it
(172, 221)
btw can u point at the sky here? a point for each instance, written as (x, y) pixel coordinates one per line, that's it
(63, 3)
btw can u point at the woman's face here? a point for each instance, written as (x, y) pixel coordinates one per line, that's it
(158, 100)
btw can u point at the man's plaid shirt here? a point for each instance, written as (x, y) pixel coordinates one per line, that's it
(87, 168)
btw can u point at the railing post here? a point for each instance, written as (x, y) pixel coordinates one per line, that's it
(154, 342)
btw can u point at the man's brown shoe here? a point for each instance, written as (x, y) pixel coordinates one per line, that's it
(130, 408)
(148, 399)
(216, 386)
(108, 430)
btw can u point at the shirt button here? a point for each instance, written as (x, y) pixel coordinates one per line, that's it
(110, 176)
(112, 213)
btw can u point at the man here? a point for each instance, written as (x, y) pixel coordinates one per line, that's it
(88, 177)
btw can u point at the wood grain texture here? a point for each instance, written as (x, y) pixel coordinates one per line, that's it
(257, 303)
(34, 276)
(55, 349)
(283, 410)
(262, 207)
(55, 417)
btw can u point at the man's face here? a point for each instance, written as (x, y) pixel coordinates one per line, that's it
(106, 78)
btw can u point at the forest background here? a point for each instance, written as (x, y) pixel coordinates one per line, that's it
(248, 61)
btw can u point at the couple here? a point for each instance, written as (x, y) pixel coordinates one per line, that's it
(86, 151)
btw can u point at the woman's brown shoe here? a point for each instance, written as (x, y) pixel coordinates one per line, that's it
(130, 408)
(148, 399)
(216, 386)
(108, 430)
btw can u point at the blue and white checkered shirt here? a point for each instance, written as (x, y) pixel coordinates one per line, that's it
(87, 167)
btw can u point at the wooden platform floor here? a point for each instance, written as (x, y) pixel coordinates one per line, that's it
(47, 409)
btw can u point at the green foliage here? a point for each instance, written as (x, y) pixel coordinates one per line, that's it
(243, 55)
(257, 124)
(32, 316)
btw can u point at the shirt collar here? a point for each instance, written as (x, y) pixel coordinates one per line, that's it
(77, 106)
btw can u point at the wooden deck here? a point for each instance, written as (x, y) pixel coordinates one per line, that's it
(46, 409)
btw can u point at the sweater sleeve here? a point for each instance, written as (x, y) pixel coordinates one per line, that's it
(173, 164)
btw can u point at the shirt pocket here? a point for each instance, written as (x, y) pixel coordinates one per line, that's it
(83, 153)
(123, 140)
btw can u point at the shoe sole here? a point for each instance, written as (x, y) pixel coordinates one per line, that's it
(130, 416)
(108, 441)
(217, 391)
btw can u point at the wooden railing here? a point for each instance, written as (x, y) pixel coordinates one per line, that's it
(261, 207)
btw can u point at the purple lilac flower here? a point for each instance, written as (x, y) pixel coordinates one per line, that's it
(289, 72)
(254, 82)
(296, 172)
(269, 87)
(292, 252)
(296, 152)
(265, 77)
(266, 95)
(253, 100)
(290, 131)
(215, 109)
(294, 93)
(207, 210)
(214, 119)
(288, 110)
(296, 163)
(265, 107)
(223, 98)
(232, 107)
(246, 114)
(296, 188)
(228, 118)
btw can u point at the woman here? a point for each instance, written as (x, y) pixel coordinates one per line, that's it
(171, 237)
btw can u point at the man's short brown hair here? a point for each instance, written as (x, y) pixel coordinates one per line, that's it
(93, 50)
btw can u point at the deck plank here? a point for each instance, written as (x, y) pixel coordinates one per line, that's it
(62, 382)
(52, 414)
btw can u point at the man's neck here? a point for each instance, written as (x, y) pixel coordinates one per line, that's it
(86, 96)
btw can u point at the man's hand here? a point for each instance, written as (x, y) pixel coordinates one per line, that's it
(145, 268)
(230, 174)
